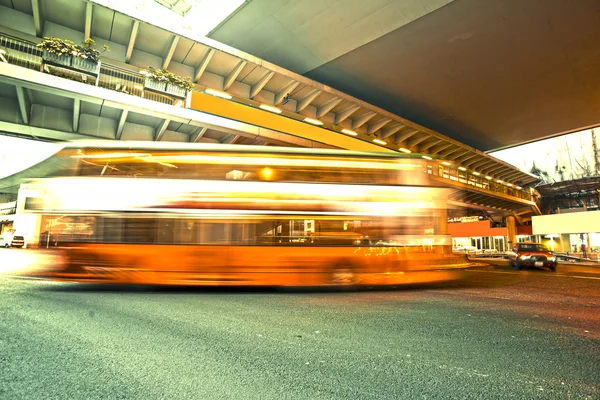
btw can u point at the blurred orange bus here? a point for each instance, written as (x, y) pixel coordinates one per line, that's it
(233, 215)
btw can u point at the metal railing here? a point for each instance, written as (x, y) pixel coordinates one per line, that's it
(479, 181)
(25, 54)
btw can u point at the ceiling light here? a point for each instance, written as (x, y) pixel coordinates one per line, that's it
(446, 163)
(349, 132)
(500, 181)
(518, 187)
(402, 149)
(489, 178)
(426, 157)
(313, 121)
(509, 184)
(378, 141)
(462, 168)
(218, 93)
(270, 108)
(476, 173)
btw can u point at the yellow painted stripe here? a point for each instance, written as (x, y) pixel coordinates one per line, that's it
(265, 119)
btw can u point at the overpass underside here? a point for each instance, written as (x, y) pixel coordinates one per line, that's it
(48, 102)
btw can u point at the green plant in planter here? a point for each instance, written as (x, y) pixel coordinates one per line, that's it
(65, 47)
(162, 75)
(88, 50)
(58, 46)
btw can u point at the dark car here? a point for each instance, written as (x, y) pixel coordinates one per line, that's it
(533, 255)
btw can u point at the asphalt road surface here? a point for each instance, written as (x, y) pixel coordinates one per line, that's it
(497, 334)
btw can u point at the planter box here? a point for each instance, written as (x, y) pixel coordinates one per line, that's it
(86, 65)
(176, 90)
(56, 59)
(155, 85)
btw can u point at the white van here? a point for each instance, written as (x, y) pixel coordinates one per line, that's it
(7, 240)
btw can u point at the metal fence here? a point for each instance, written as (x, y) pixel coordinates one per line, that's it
(25, 54)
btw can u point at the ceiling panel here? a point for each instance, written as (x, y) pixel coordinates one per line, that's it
(67, 13)
(184, 47)
(142, 119)
(301, 35)
(8, 91)
(488, 74)
(52, 100)
(121, 29)
(194, 56)
(90, 108)
(222, 64)
(102, 23)
(20, 5)
(153, 40)
(254, 75)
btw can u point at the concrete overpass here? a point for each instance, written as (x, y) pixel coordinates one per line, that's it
(490, 74)
(49, 107)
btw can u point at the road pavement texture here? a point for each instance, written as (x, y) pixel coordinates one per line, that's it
(498, 333)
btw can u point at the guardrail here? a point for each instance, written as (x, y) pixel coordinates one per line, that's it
(456, 175)
(28, 55)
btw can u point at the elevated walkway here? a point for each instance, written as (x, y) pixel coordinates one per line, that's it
(60, 105)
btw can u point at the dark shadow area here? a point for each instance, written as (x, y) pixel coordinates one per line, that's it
(464, 282)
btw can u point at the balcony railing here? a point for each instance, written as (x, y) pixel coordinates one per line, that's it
(478, 181)
(25, 54)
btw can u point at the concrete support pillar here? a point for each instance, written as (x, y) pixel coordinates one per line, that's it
(440, 223)
(511, 229)
(588, 242)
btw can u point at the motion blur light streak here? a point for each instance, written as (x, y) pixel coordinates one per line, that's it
(264, 217)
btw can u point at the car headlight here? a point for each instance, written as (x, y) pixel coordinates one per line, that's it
(552, 259)
(522, 257)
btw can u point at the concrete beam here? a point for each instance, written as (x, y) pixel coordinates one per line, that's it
(203, 64)
(230, 78)
(406, 135)
(195, 136)
(285, 91)
(415, 142)
(360, 121)
(325, 108)
(305, 102)
(121, 125)
(438, 148)
(24, 104)
(38, 17)
(132, 37)
(374, 127)
(258, 86)
(170, 51)
(160, 130)
(390, 131)
(76, 114)
(230, 139)
(89, 10)
(344, 115)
